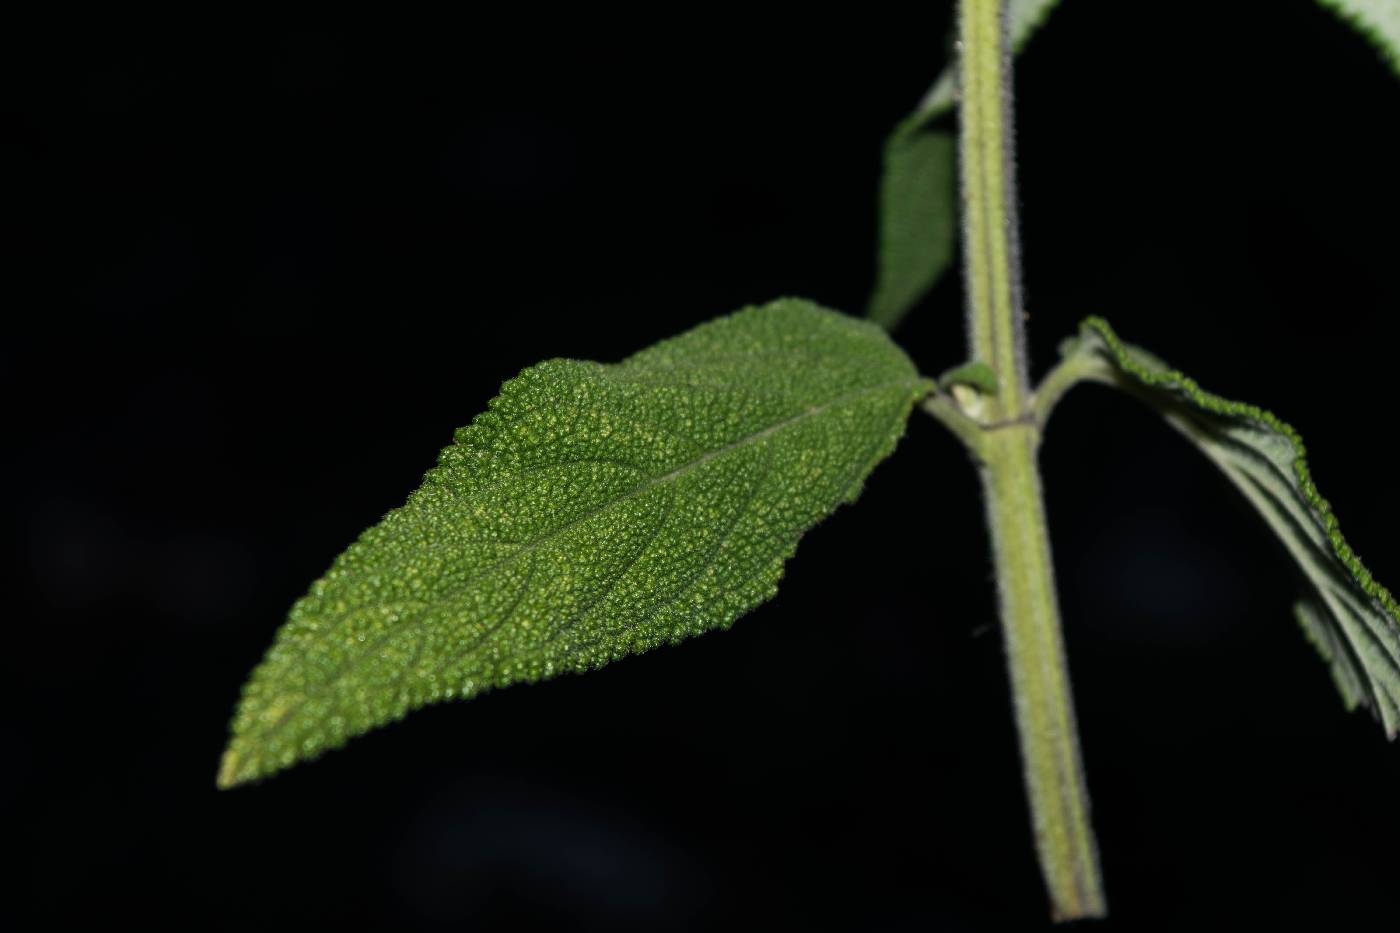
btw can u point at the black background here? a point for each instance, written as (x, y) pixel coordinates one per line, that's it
(258, 272)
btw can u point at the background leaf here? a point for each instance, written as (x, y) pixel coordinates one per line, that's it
(592, 512)
(1352, 620)
(918, 214)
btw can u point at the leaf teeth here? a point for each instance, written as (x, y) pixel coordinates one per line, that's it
(592, 512)
(1351, 619)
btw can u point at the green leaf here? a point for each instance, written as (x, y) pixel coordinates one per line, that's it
(1377, 20)
(594, 511)
(1352, 620)
(918, 221)
(918, 199)
(976, 374)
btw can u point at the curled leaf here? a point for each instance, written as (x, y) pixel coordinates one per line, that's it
(1352, 619)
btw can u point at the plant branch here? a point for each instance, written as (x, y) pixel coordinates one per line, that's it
(1068, 373)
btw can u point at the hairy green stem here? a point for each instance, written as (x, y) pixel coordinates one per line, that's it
(996, 332)
(1040, 683)
(1006, 451)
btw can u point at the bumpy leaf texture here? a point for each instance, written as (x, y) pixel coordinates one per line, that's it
(592, 512)
(1352, 620)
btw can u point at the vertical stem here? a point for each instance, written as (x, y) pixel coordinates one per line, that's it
(996, 331)
(1040, 683)
(1035, 655)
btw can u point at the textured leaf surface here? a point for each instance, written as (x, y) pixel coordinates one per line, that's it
(592, 512)
(1352, 620)
(918, 199)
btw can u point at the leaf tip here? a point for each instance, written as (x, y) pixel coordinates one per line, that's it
(230, 770)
